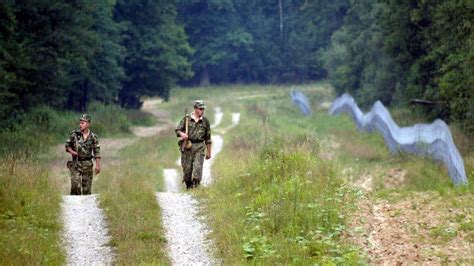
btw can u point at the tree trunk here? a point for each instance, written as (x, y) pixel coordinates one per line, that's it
(85, 90)
(280, 8)
(204, 77)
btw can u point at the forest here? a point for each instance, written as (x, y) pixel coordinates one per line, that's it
(69, 54)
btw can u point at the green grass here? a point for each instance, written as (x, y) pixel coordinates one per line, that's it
(127, 194)
(36, 131)
(277, 198)
(240, 201)
(113, 121)
(30, 197)
(29, 214)
(282, 205)
(274, 199)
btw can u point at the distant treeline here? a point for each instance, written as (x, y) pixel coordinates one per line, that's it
(68, 53)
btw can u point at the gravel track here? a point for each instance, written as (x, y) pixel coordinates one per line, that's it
(186, 231)
(217, 143)
(217, 117)
(85, 234)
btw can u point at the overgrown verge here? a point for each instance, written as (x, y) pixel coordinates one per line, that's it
(29, 214)
(42, 127)
(362, 160)
(127, 190)
(282, 205)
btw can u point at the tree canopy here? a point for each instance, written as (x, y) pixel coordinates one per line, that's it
(66, 54)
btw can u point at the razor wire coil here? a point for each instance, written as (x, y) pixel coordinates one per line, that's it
(427, 140)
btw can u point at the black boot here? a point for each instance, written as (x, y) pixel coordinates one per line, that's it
(189, 184)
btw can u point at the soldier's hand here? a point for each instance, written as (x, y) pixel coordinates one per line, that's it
(183, 135)
(97, 170)
(208, 156)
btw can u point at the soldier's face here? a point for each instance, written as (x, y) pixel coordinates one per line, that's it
(199, 111)
(83, 125)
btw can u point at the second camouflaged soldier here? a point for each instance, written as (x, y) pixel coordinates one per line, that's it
(199, 134)
(84, 146)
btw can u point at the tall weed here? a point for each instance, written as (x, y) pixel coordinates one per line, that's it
(284, 205)
(29, 214)
(127, 190)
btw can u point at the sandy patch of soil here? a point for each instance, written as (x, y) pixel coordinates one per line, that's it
(325, 106)
(370, 178)
(419, 229)
(144, 132)
(329, 147)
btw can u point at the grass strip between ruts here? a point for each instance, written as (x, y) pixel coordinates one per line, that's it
(127, 194)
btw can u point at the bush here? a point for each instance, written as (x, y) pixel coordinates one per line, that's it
(43, 126)
(36, 131)
(108, 119)
(285, 206)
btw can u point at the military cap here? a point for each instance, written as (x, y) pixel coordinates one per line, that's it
(199, 104)
(85, 117)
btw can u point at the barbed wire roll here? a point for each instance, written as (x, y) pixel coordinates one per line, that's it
(299, 99)
(427, 140)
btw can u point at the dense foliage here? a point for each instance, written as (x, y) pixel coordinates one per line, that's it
(119, 50)
(259, 41)
(393, 51)
(401, 51)
(156, 49)
(66, 54)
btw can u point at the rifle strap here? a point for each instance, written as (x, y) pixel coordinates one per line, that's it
(77, 159)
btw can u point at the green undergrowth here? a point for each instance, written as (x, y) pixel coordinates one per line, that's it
(244, 204)
(30, 225)
(127, 190)
(113, 121)
(274, 200)
(42, 127)
(283, 205)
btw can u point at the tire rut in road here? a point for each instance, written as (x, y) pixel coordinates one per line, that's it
(186, 230)
(85, 235)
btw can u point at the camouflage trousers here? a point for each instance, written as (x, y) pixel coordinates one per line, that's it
(191, 161)
(81, 177)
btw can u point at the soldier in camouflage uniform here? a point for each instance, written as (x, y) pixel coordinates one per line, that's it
(199, 133)
(84, 146)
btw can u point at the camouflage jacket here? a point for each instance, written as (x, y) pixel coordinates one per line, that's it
(199, 131)
(88, 149)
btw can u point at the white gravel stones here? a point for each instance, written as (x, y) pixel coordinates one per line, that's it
(85, 233)
(235, 122)
(217, 143)
(235, 119)
(186, 233)
(171, 180)
(217, 117)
